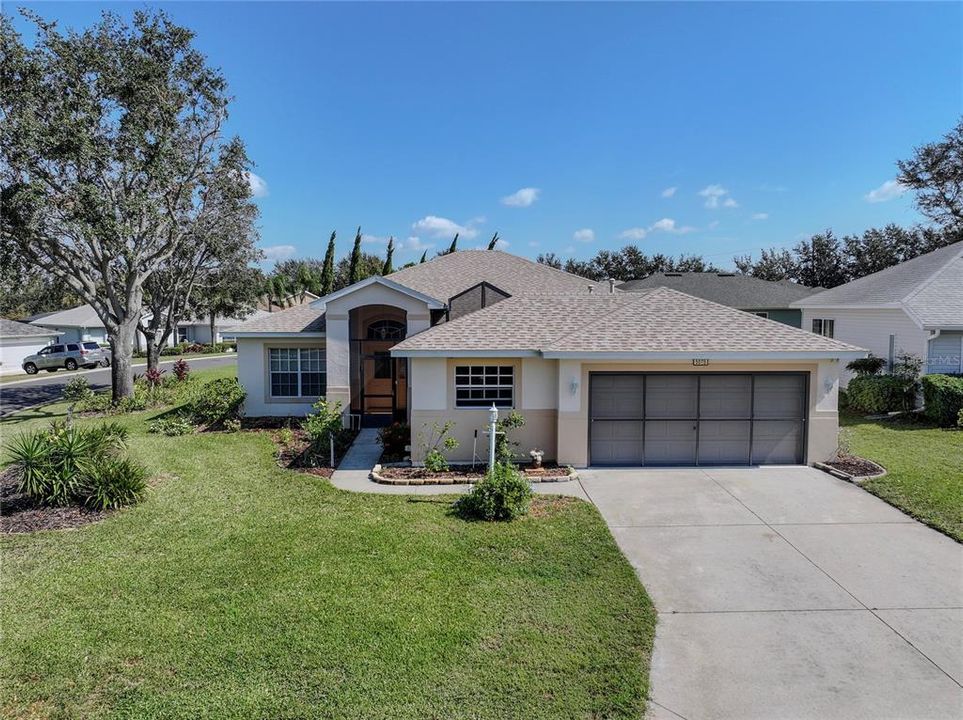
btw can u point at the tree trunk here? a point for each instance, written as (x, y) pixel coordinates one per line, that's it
(122, 352)
(153, 353)
(213, 337)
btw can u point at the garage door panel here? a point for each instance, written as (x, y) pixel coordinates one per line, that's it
(671, 396)
(670, 442)
(724, 442)
(779, 396)
(616, 442)
(777, 442)
(617, 396)
(725, 396)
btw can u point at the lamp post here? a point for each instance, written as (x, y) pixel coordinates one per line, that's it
(492, 432)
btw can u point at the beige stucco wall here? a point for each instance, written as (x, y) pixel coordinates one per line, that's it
(553, 397)
(252, 372)
(433, 400)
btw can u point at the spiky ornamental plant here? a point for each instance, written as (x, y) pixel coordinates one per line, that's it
(424, 257)
(327, 270)
(454, 245)
(387, 269)
(354, 269)
(493, 243)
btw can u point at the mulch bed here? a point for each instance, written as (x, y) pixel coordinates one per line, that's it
(296, 455)
(22, 514)
(462, 471)
(855, 466)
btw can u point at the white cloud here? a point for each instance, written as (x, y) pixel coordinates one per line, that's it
(522, 198)
(415, 243)
(275, 253)
(569, 250)
(669, 191)
(501, 244)
(635, 233)
(717, 196)
(439, 227)
(259, 187)
(760, 216)
(889, 190)
(668, 225)
(373, 239)
(585, 235)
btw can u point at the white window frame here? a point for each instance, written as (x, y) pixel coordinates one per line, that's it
(824, 324)
(480, 377)
(301, 355)
(182, 334)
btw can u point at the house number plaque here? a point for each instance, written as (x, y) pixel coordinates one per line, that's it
(700, 362)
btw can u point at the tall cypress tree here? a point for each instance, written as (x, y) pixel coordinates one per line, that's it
(387, 268)
(424, 257)
(454, 245)
(493, 242)
(354, 269)
(327, 270)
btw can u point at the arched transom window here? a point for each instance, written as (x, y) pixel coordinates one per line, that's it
(386, 330)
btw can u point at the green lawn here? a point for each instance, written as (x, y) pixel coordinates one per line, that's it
(925, 468)
(238, 589)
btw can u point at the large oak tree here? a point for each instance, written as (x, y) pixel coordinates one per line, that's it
(110, 141)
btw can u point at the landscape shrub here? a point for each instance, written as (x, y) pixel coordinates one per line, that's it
(65, 464)
(504, 446)
(943, 399)
(322, 424)
(172, 425)
(95, 402)
(874, 394)
(435, 440)
(77, 390)
(503, 494)
(217, 401)
(113, 483)
(871, 365)
(232, 425)
(394, 439)
(959, 418)
(181, 370)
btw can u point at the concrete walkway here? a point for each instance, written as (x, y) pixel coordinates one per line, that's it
(786, 593)
(352, 474)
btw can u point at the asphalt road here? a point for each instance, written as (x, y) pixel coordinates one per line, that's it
(46, 387)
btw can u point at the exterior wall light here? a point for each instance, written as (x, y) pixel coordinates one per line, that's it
(573, 386)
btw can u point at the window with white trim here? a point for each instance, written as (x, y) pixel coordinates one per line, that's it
(478, 386)
(297, 372)
(824, 326)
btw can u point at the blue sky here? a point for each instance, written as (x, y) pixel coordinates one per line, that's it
(704, 128)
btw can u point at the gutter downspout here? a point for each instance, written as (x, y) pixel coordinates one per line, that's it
(930, 338)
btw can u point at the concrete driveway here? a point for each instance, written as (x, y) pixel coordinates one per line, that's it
(785, 593)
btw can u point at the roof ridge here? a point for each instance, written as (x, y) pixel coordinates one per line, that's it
(943, 268)
(630, 302)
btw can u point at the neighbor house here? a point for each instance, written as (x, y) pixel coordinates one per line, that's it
(915, 307)
(601, 376)
(17, 340)
(765, 298)
(81, 323)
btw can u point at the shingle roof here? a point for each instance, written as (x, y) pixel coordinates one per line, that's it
(80, 316)
(13, 329)
(738, 291)
(657, 321)
(907, 284)
(302, 318)
(447, 275)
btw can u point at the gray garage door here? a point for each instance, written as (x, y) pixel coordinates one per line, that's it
(697, 419)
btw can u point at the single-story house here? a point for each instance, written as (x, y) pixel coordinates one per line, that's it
(601, 376)
(915, 307)
(765, 298)
(17, 340)
(81, 323)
